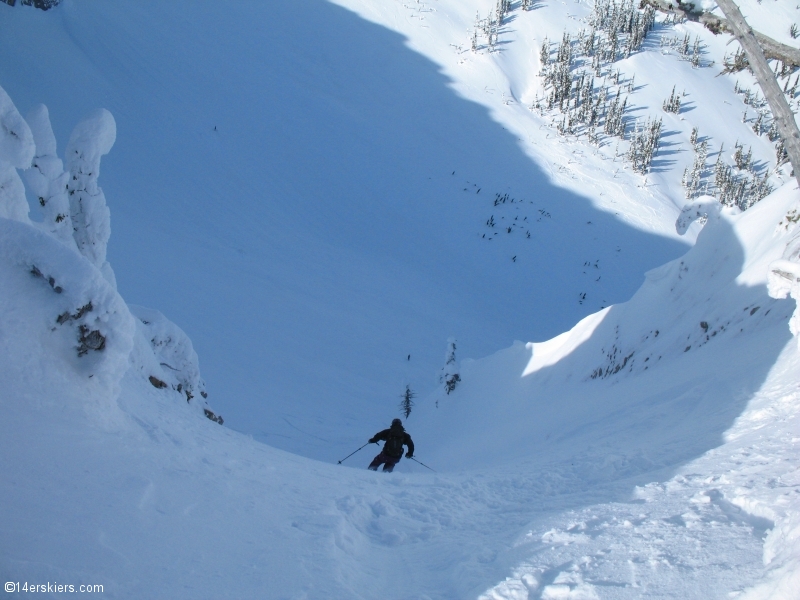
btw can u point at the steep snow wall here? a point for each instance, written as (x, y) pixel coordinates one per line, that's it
(695, 374)
(692, 344)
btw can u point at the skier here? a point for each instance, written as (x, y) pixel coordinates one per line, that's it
(392, 452)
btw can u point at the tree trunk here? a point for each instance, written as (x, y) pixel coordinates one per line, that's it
(783, 115)
(772, 49)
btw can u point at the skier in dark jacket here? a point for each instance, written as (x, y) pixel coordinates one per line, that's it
(395, 438)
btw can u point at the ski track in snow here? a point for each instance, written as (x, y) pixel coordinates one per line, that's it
(702, 531)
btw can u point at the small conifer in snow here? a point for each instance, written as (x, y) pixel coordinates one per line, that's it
(673, 103)
(644, 144)
(407, 402)
(741, 159)
(696, 53)
(691, 178)
(450, 376)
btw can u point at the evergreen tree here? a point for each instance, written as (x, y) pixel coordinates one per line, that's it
(407, 402)
(692, 178)
(644, 144)
(673, 103)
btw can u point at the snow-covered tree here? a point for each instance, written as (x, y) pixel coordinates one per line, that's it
(450, 376)
(691, 178)
(615, 124)
(16, 152)
(644, 144)
(741, 159)
(46, 178)
(90, 140)
(673, 103)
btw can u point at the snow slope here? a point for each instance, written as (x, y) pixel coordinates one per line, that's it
(695, 364)
(316, 162)
(650, 451)
(331, 224)
(146, 498)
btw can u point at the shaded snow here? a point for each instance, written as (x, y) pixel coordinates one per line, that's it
(598, 495)
(333, 222)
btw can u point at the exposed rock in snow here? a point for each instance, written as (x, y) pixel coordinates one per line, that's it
(165, 356)
(81, 322)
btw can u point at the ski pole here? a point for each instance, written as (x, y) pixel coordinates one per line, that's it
(351, 454)
(423, 464)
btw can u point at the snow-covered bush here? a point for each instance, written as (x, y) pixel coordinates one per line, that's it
(163, 354)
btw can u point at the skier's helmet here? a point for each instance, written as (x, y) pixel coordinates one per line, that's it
(397, 423)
